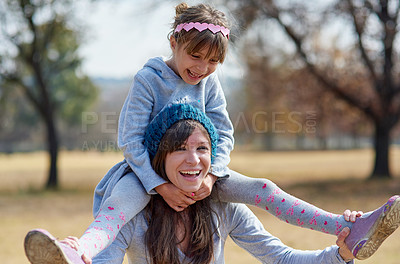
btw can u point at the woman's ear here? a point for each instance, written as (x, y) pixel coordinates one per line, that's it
(172, 43)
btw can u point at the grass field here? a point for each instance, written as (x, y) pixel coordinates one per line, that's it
(333, 180)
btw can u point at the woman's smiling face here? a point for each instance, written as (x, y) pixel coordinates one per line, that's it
(187, 167)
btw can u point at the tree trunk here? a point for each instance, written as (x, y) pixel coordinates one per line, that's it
(382, 139)
(52, 143)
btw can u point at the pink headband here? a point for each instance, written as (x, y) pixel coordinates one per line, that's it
(203, 26)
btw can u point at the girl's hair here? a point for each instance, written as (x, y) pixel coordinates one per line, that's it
(161, 240)
(217, 43)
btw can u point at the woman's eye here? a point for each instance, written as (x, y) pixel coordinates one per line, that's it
(195, 56)
(203, 148)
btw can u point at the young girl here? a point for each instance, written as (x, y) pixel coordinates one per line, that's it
(199, 41)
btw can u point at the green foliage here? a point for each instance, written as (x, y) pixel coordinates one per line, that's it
(73, 91)
(41, 66)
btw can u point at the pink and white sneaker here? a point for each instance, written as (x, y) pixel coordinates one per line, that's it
(370, 230)
(42, 248)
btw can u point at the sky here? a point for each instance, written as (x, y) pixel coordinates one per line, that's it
(120, 36)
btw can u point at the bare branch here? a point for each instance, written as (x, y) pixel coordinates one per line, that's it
(389, 30)
(359, 30)
(321, 78)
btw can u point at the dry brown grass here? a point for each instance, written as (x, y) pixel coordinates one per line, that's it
(333, 180)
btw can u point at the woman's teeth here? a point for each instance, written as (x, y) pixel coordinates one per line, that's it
(190, 173)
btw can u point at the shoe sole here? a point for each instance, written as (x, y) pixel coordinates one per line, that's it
(385, 226)
(41, 249)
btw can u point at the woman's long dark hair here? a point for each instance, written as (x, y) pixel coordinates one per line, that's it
(161, 240)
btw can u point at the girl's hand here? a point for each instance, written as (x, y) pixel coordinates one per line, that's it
(205, 188)
(351, 216)
(73, 242)
(174, 196)
(344, 251)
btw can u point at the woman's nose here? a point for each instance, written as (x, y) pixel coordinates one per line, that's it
(192, 158)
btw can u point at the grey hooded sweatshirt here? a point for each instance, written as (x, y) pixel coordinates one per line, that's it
(154, 87)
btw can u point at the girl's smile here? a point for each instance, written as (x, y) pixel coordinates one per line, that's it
(194, 76)
(194, 67)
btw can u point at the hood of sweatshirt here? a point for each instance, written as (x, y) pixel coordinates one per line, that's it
(158, 64)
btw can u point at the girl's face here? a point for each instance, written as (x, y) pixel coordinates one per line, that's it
(194, 67)
(187, 167)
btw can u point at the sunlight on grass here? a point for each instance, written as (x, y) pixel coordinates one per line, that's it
(321, 178)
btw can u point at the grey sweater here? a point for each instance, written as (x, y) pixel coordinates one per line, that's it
(154, 87)
(238, 222)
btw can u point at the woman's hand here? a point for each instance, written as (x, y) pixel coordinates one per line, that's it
(352, 215)
(344, 251)
(205, 188)
(73, 242)
(174, 197)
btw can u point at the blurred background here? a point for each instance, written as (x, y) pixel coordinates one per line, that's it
(313, 91)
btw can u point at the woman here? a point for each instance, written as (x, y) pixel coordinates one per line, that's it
(182, 142)
(199, 40)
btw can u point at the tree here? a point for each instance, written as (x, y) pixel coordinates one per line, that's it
(40, 60)
(372, 29)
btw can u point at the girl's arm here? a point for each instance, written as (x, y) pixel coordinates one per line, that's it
(215, 108)
(134, 118)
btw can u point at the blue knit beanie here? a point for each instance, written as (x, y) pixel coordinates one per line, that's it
(169, 116)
